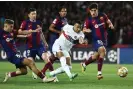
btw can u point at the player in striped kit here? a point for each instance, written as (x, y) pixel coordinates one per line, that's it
(7, 35)
(97, 23)
(36, 43)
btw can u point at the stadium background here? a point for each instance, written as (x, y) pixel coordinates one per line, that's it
(120, 13)
(119, 50)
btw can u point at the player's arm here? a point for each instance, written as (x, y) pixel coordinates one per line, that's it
(26, 32)
(52, 29)
(23, 31)
(53, 25)
(109, 22)
(43, 38)
(86, 30)
(22, 36)
(86, 27)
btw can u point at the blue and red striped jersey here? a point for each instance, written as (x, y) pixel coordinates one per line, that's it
(98, 26)
(34, 40)
(7, 42)
(59, 22)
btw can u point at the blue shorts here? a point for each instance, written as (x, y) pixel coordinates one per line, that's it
(32, 52)
(97, 44)
(17, 60)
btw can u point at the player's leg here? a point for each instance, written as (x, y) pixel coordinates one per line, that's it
(33, 67)
(102, 53)
(31, 54)
(91, 59)
(69, 63)
(48, 64)
(20, 71)
(62, 55)
(45, 55)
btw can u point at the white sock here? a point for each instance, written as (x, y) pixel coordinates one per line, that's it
(57, 71)
(84, 65)
(99, 72)
(70, 67)
(65, 66)
(67, 70)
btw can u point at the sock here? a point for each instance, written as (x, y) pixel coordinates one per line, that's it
(57, 71)
(87, 62)
(53, 59)
(50, 66)
(45, 68)
(65, 66)
(100, 63)
(70, 67)
(13, 74)
(67, 70)
(40, 75)
(99, 72)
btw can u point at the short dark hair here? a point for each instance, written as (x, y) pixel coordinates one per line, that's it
(93, 5)
(31, 10)
(77, 21)
(8, 21)
(61, 7)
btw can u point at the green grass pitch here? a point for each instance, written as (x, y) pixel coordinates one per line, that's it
(86, 80)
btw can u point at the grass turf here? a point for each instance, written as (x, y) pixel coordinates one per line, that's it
(86, 80)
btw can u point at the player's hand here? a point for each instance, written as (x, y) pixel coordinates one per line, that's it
(39, 29)
(30, 31)
(81, 40)
(111, 26)
(85, 41)
(86, 30)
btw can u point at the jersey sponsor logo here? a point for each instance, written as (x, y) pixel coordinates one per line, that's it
(9, 39)
(98, 25)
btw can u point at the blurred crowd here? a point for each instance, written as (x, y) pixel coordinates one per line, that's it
(119, 12)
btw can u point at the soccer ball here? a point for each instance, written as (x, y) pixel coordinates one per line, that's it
(122, 72)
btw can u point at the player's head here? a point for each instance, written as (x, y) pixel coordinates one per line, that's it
(63, 11)
(8, 24)
(94, 9)
(32, 14)
(77, 26)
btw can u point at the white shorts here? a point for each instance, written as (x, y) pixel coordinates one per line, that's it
(57, 48)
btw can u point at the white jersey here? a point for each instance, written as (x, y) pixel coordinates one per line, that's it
(67, 38)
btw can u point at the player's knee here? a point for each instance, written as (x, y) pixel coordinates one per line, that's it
(94, 57)
(31, 63)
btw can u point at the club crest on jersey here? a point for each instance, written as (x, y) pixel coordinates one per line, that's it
(96, 26)
(75, 37)
(9, 39)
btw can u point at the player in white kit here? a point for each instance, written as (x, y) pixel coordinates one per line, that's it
(70, 36)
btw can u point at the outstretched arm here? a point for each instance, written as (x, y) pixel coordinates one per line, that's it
(110, 24)
(21, 36)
